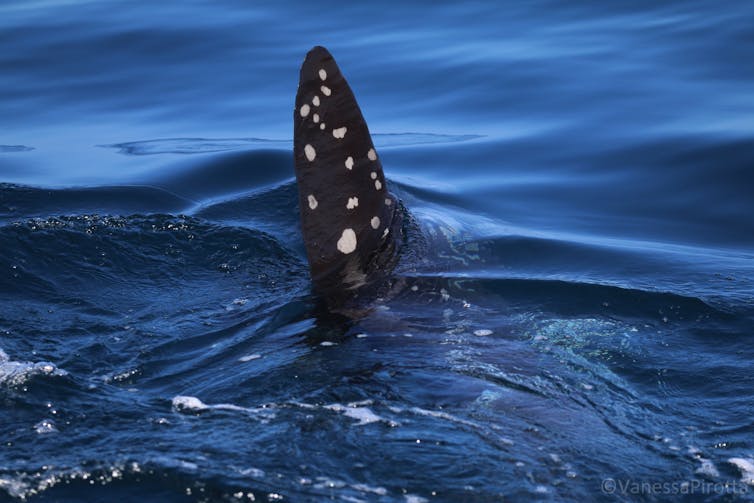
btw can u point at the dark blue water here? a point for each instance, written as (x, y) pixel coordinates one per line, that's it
(579, 269)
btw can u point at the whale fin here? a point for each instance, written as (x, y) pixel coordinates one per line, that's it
(348, 218)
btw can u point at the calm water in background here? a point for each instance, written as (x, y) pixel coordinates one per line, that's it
(579, 277)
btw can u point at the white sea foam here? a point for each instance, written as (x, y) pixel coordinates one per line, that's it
(354, 410)
(181, 403)
(363, 414)
(45, 426)
(328, 483)
(23, 486)
(14, 373)
(252, 472)
(181, 464)
(464, 422)
(248, 358)
(708, 469)
(381, 491)
(746, 466)
(193, 404)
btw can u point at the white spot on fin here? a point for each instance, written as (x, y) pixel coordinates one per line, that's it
(375, 222)
(373, 174)
(340, 132)
(315, 118)
(377, 185)
(315, 101)
(372, 155)
(322, 126)
(310, 153)
(312, 202)
(349, 162)
(347, 241)
(322, 74)
(325, 90)
(304, 110)
(352, 203)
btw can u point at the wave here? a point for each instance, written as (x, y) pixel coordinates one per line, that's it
(116, 263)
(209, 145)
(23, 202)
(15, 148)
(448, 242)
(15, 373)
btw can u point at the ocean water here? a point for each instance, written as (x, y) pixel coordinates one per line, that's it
(578, 310)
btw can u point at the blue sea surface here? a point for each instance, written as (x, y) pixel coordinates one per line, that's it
(577, 319)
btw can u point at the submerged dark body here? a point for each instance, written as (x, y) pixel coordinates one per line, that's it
(349, 220)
